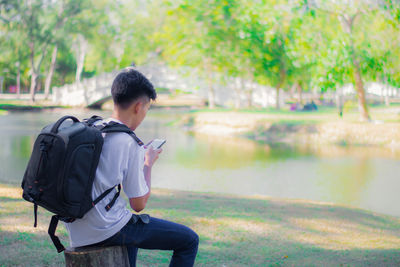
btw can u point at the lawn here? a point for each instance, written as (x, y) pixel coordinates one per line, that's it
(234, 231)
(322, 127)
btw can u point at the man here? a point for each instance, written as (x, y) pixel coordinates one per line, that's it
(124, 161)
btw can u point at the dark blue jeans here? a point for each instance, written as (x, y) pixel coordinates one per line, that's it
(151, 233)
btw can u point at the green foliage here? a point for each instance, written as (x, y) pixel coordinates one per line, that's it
(281, 43)
(32, 29)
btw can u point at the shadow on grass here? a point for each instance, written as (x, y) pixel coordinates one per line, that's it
(279, 211)
(28, 249)
(234, 231)
(261, 232)
(9, 199)
(257, 251)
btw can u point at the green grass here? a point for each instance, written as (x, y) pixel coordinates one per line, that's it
(14, 102)
(317, 127)
(17, 103)
(377, 112)
(26, 105)
(19, 107)
(234, 231)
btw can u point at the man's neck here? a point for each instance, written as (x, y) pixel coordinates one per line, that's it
(125, 118)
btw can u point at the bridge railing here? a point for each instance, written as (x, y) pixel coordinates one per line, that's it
(229, 91)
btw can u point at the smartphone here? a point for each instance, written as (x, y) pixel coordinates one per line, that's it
(157, 143)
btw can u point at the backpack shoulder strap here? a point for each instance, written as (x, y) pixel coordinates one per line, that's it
(115, 127)
(90, 121)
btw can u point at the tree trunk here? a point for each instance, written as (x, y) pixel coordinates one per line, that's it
(18, 79)
(1, 84)
(348, 23)
(80, 52)
(79, 67)
(116, 256)
(282, 76)
(236, 88)
(387, 94)
(387, 101)
(278, 106)
(51, 71)
(33, 71)
(300, 92)
(339, 101)
(211, 91)
(32, 89)
(211, 96)
(362, 103)
(237, 97)
(249, 92)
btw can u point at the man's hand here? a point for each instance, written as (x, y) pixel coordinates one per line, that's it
(151, 156)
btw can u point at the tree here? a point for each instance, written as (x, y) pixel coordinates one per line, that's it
(204, 37)
(386, 48)
(350, 39)
(75, 20)
(14, 54)
(37, 23)
(272, 28)
(140, 24)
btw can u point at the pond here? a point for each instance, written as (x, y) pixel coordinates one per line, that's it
(362, 177)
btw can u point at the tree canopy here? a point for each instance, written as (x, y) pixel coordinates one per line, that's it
(309, 45)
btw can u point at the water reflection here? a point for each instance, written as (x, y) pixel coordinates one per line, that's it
(15, 151)
(212, 153)
(346, 178)
(365, 177)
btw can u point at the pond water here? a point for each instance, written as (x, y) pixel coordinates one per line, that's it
(362, 177)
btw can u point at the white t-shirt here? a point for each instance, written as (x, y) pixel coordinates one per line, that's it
(121, 162)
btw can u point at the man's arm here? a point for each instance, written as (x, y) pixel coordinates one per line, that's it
(139, 203)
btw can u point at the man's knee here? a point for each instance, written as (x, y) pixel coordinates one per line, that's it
(195, 239)
(189, 237)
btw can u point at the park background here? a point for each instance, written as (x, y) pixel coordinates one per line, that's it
(282, 121)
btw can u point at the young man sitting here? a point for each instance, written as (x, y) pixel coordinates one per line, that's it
(125, 161)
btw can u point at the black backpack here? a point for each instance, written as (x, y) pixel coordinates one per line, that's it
(62, 167)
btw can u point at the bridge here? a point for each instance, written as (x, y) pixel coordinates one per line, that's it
(228, 91)
(95, 91)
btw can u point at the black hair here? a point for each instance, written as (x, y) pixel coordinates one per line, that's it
(130, 85)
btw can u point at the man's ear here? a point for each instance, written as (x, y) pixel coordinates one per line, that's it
(137, 106)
